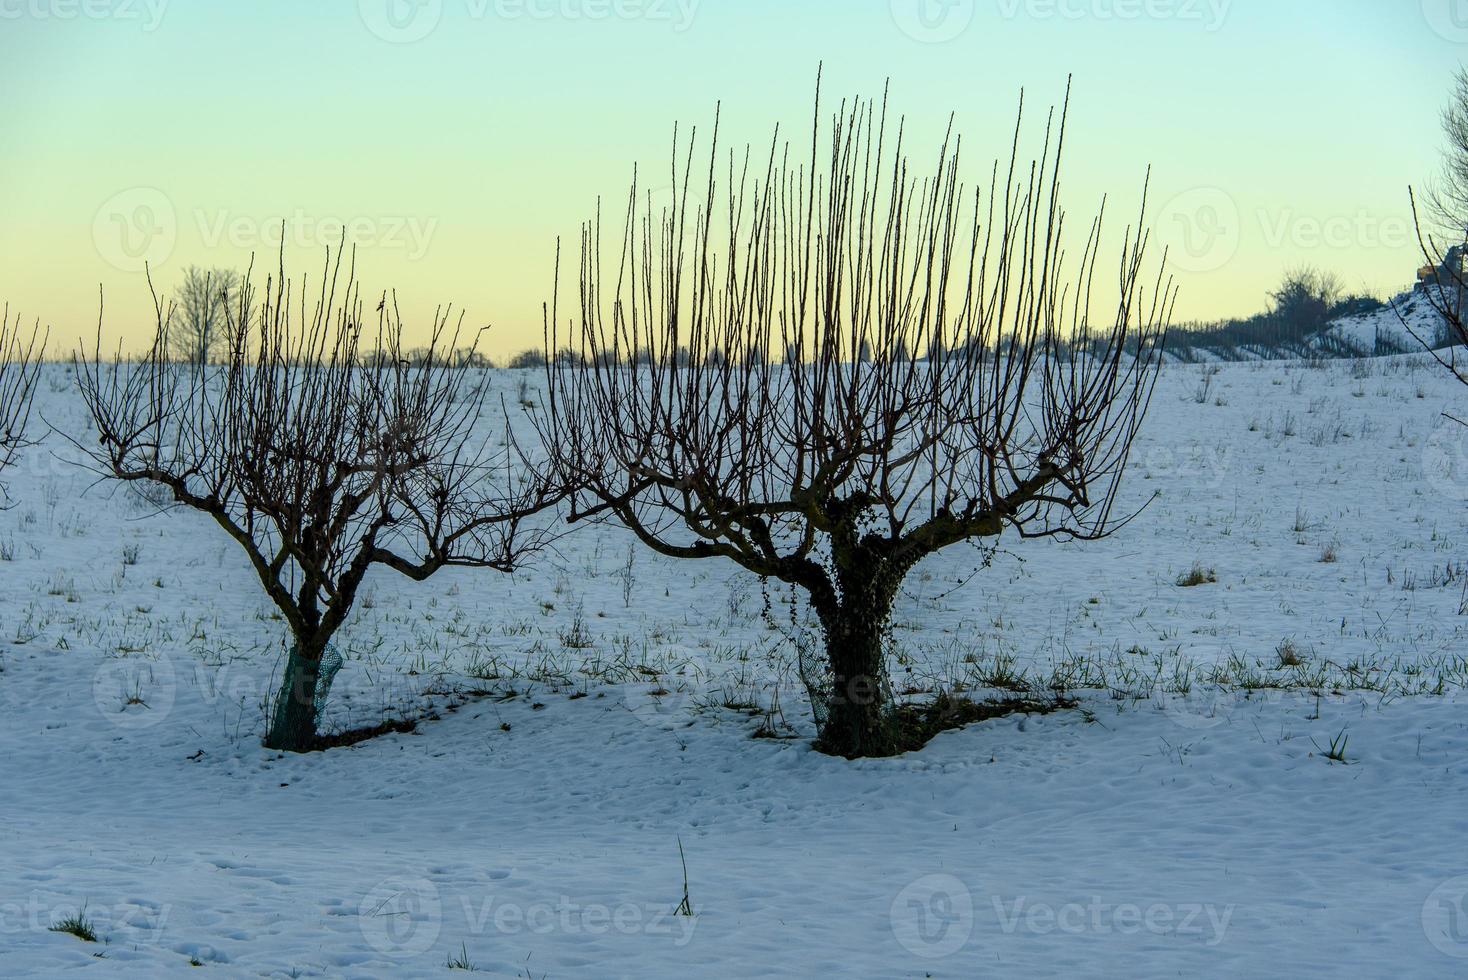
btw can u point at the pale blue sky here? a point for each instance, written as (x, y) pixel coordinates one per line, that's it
(1280, 132)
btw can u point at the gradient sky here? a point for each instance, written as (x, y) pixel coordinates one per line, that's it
(459, 138)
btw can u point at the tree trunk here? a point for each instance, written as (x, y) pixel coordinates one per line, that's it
(859, 720)
(293, 726)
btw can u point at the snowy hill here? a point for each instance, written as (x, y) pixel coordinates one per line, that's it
(1389, 330)
(1379, 333)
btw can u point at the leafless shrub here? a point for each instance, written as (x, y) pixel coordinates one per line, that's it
(20, 366)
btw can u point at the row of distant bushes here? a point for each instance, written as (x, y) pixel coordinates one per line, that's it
(1304, 304)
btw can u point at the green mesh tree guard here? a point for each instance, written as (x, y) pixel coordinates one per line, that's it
(331, 662)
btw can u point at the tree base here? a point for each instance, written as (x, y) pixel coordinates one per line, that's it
(860, 731)
(913, 726)
(293, 723)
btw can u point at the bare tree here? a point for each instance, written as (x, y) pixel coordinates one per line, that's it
(203, 306)
(787, 419)
(1444, 290)
(20, 365)
(1442, 280)
(1447, 199)
(322, 457)
(1305, 302)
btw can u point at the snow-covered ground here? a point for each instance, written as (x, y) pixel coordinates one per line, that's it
(581, 721)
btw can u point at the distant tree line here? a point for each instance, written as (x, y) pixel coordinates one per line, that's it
(1304, 304)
